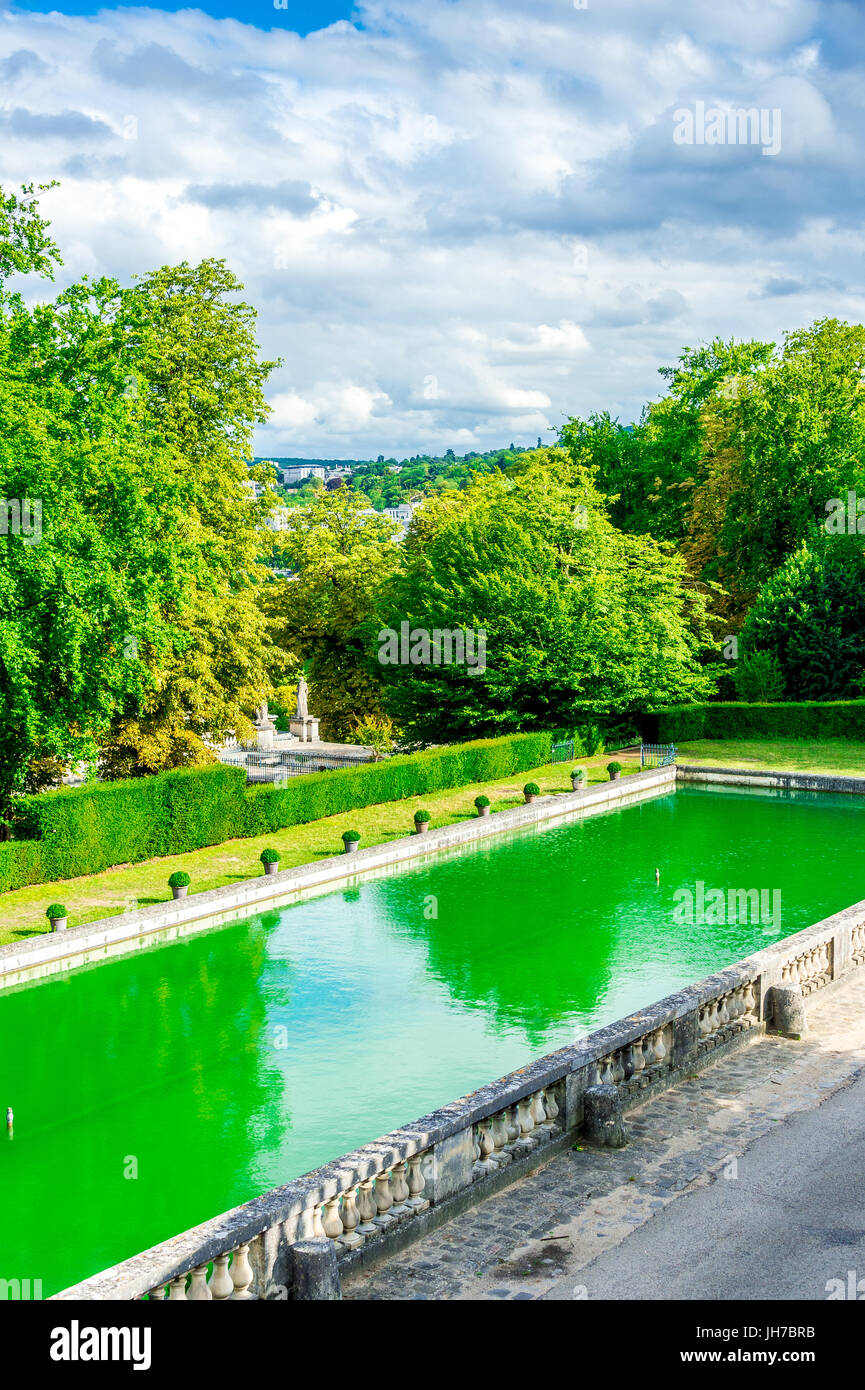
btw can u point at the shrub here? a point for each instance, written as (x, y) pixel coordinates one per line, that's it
(421, 817)
(578, 774)
(735, 720)
(82, 830)
(614, 767)
(759, 678)
(482, 801)
(56, 910)
(179, 879)
(531, 789)
(350, 836)
(269, 856)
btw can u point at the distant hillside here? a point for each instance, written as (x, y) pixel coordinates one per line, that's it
(423, 473)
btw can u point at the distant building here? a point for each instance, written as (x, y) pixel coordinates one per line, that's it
(296, 472)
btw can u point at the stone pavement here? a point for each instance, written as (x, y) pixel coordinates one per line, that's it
(558, 1232)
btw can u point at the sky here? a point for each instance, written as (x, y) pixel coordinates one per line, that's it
(460, 221)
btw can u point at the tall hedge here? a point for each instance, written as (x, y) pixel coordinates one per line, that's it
(811, 719)
(83, 830)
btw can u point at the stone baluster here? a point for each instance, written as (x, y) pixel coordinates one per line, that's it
(383, 1200)
(157, 1295)
(606, 1069)
(177, 1289)
(242, 1274)
(221, 1282)
(400, 1191)
(618, 1068)
(198, 1292)
(416, 1184)
(635, 1062)
(542, 1130)
(750, 1002)
(552, 1111)
(499, 1132)
(350, 1220)
(366, 1208)
(659, 1050)
(484, 1146)
(331, 1220)
(525, 1144)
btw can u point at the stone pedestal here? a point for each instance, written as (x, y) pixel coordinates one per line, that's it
(305, 728)
(602, 1117)
(264, 735)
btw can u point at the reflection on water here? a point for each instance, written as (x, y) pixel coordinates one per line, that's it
(155, 1092)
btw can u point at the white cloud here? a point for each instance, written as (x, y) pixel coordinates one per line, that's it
(465, 221)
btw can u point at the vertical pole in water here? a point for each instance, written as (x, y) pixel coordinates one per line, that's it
(10, 1120)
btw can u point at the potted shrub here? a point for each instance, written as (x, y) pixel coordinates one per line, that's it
(483, 805)
(530, 791)
(270, 859)
(58, 916)
(578, 779)
(615, 771)
(421, 822)
(179, 883)
(350, 840)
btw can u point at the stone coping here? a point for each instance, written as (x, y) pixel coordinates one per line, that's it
(135, 1276)
(786, 781)
(52, 952)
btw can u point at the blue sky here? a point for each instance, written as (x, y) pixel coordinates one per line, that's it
(301, 15)
(460, 221)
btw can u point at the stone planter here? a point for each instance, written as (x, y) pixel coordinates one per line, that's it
(350, 846)
(578, 786)
(614, 776)
(180, 892)
(272, 867)
(58, 923)
(421, 827)
(483, 810)
(530, 797)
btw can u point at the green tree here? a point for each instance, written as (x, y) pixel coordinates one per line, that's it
(810, 617)
(341, 557)
(579, 618)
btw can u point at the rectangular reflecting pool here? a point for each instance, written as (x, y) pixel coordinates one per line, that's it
(153, 1092)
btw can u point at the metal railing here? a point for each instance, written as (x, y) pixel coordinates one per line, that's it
(657, 754)
(562, 752)
(275, 766)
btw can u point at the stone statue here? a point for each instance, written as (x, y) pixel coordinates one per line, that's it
(262, 717)
(302, 699)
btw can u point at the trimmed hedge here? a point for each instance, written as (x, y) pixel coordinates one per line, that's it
(82, 830)
(807, 719)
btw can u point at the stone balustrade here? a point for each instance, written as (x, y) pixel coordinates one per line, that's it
(397, 1188)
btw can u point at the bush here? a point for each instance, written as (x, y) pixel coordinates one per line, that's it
(482, 801)
(179, 879)
(56, 910)
(421, 817)
(82, 830)
(578, 774)
(531, 789)
(614, 767)
(758, 678)
(350, 837)
(269, 856)
(734, 720)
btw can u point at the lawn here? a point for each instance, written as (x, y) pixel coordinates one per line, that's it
(128, 886)
(834, 756)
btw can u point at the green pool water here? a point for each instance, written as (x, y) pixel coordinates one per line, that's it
(153, 1092)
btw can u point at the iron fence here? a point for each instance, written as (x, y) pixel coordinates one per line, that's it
(265, 766)
(657, 754)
